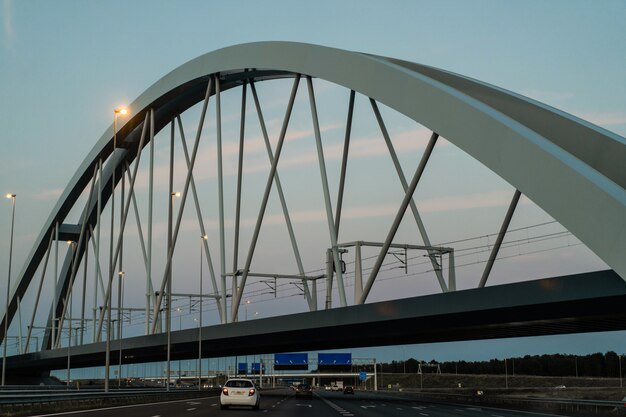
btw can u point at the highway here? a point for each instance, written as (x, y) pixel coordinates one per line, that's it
(282, 403)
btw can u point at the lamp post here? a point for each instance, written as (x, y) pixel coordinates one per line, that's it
(6, 318)
(506, 375)
(203, 238)
(121, 274)
(168, 310)
(619, 359)
(72, 244)
(247, 302)
(180, 327)
(116, 112)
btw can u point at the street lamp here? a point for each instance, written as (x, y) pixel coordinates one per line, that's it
(180, 327)
(203, 238)
(168, 310)
(121, 274)
(72, 244)
(247, 302)
(619, 358)
(116, 113)
(6, 318)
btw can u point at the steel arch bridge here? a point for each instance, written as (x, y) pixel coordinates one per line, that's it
(570, 168)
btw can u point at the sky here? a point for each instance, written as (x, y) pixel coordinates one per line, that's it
(66, 64)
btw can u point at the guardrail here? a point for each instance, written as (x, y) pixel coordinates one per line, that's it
(572, 406)
(22, 402)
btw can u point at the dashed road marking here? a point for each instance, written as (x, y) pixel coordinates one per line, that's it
(340, 410)
(191, 409)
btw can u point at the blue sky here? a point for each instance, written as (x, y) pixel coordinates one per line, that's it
(66, 64)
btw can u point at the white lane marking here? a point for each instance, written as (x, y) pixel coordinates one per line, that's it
(368, 406)
(116, 408)
(191, 409)
(423, 414)
(213, 405)
(304, 405)
(193, 403)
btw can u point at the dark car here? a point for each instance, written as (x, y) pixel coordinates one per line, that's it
(304, 390)
(348, 389)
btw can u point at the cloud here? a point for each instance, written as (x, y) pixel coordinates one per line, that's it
(7, 22)
(467, 202)
(605, 119)
(455, 203)
(256, 160)
(49, 194)
(548, 96)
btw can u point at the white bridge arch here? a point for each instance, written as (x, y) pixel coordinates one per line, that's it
(570, 168)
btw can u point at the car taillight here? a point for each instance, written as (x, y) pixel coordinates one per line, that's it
(225, 391)
(251, 392)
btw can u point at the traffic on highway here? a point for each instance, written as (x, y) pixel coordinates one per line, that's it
(283, 402)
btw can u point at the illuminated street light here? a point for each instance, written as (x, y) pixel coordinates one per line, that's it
(6, 318)
(168, 310)
(116, 112)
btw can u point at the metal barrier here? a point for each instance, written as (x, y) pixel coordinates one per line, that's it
(21, 402)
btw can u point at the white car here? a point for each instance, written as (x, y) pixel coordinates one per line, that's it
(240, 391)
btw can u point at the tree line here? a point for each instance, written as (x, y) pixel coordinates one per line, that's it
(593, 365)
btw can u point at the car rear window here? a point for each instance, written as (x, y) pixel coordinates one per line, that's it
(239, 384)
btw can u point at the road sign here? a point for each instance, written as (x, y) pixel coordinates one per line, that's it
(362, 376)
(334, 358)
(291, 361)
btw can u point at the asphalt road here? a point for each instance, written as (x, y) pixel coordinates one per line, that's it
(282, 403)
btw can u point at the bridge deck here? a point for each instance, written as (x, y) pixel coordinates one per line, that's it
(578, 303)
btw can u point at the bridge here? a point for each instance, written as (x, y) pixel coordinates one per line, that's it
(569, 168)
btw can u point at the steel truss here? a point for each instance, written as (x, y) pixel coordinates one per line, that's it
(114, 163)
